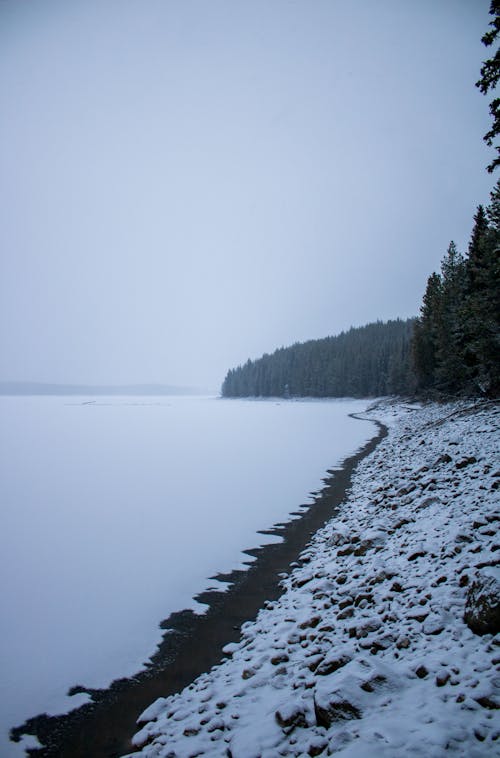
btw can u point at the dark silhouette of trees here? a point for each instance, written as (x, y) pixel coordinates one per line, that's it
(453, 348)
(372, 360)
(456, 344)
(490, 74)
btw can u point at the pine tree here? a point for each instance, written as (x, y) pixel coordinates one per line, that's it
(490, 75)
(450, 369)
(426, 335)
(481, 310)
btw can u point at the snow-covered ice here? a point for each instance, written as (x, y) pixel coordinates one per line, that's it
(367, 654)
(116, 511)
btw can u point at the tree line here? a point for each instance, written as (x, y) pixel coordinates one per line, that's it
(456, 342)
(371, 360)
(452, 348)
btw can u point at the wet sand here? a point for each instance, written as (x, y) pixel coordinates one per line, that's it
(193, 644)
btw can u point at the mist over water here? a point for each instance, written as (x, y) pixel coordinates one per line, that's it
(116, 511)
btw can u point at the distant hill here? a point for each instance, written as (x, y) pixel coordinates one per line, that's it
(42, 388)
(371, 360)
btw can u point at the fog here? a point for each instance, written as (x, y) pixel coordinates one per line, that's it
(184, 185)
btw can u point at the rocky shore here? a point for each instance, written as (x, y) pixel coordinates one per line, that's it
(385, 639)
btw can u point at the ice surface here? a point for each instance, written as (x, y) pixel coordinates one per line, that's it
(116, 512)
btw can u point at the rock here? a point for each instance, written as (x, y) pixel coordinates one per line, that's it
(445, 458)
(337, 539)
(417, 554)
(403, 643)
(290, 715)
(303, 580)
(345, 602)
(492, 703)
(421, 672)
(406, 490)
(373, 684)
(346, 551)
(345, 614)
(370, 625)
(331, 664)
(428, 501)
(310, 623)
(433, 625)
(442, 678)
(397, 587)
(333, 707)
(277, 659)
(482, 606)
(363, 548)
(419, 616)
(317, 746)
(465, 462)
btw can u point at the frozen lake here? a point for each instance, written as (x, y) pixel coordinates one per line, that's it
(116, 511)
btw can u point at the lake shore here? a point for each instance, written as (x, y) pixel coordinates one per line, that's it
(385, 640)
(192, 643)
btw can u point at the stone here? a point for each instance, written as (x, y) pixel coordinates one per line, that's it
(482, 606)
(290, 715)
(403, 643)
(346, 613)
(317, 747)
(442, 678)
(465, 462)
(363, 548)
(445, 458)
(281, 658)
(433, 625)
(331, 664)
(310, 623)
(492, 703)
(417, 554)
(334, 707)
(374, 683)
(370, 625)
(345, 603)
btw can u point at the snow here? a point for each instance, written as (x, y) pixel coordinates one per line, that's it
(116, 512)
(366, 653)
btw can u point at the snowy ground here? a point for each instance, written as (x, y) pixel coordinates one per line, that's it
(366, 653)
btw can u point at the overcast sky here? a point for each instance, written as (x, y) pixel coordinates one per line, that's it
(186, 184)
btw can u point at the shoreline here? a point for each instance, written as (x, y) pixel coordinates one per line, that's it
(385, 640)
(192, 643)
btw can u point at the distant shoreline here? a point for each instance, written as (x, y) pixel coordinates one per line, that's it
(47, 388)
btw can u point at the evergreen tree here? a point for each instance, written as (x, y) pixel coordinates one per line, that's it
(490, 74)
(450, 370)
(481, 308)
(428, 330)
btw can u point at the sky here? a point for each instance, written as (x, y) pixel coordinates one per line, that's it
(186, 184)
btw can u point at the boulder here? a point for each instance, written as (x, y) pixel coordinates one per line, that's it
(290, 715)
(332, 707)
(482, 606)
